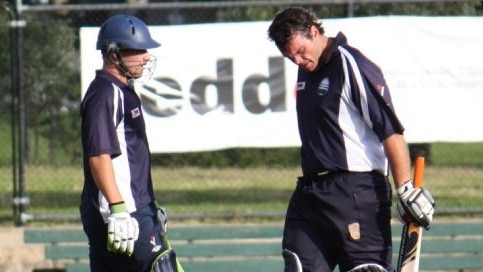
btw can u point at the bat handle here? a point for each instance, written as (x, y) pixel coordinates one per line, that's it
(418, 171)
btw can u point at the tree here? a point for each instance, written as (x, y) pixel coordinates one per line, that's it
(51, 82)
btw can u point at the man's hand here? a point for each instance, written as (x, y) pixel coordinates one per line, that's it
(416, 202)
(122, 230)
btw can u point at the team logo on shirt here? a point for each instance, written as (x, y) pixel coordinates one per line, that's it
(135, 112)
(300, 86)
(323, 88)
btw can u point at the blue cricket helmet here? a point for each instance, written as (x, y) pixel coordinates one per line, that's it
(124, 32)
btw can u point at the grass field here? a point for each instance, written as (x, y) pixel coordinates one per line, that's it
(196, 194)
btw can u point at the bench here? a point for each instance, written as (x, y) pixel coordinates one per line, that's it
(448, 246)
(200, 248)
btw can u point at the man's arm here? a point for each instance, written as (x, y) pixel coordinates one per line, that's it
(416, 202)
(103, 173)
(398, 156)
(122, 229)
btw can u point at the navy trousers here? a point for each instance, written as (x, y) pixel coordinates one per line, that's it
(341, 218)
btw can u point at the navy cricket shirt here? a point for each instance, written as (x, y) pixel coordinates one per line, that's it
(113, 123)
(344, 111)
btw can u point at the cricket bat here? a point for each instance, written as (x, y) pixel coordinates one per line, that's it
(410, 248)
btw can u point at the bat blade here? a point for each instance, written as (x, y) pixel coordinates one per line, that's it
(410, 248)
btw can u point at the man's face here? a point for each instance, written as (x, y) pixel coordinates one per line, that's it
(305, 51)
(134, 61)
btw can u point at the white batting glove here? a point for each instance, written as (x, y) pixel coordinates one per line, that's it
(122, 230)
(415, 202)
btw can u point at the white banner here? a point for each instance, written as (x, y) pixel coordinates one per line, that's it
(225, 85)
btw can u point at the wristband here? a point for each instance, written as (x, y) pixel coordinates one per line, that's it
(118, 207)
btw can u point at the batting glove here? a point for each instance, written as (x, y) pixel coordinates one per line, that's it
(122, 230)
(415, 202)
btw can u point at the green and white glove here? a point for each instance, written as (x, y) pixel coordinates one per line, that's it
(122, 230)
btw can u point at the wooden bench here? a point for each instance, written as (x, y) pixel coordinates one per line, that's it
(448, 246)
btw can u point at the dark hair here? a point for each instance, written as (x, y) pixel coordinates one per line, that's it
(292, 21)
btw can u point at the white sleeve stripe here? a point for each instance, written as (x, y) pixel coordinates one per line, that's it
(360, 83)
(117, 95)
(115, 104)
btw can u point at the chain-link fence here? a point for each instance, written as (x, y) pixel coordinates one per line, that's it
(44, 179)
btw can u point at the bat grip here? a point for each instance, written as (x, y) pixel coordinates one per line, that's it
(418, 172)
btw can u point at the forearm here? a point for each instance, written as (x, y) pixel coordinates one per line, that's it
(398, 156)
(103, 173)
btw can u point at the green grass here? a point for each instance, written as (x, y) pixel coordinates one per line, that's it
(457, 154)
(454, 176)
